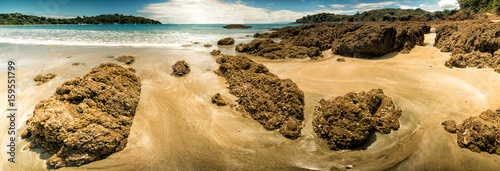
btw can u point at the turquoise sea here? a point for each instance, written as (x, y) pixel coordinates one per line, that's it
(125, 35)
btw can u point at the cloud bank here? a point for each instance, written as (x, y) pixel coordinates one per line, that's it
(448, 4)
(216, 12)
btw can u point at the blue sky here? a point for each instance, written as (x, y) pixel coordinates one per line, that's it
(212, 11)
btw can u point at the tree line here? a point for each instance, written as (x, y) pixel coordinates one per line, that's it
(20, 19)
(387, 14)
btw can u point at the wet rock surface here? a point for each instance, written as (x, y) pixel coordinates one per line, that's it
(226, 41)
(364, 40)
(180, 68)
(473, 43)
(126, 59)
(215, 52)
(273, 102)
(480, 133)
(236, 26)
(43, 78)
(218, 100)
(347, 121)
(87, 118)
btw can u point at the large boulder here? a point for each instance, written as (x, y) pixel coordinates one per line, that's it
(273, 102)
(346, 121)
(479, 133)
(180, 68)
(87, 118)
(226, 41)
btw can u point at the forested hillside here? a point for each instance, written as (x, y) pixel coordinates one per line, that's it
(20, 19)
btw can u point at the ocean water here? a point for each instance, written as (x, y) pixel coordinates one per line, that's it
(125, 35)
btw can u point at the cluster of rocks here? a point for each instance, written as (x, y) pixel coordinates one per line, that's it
(478, 133)
(180, 68)
(43, 78)
(364, 40)
(226, 41)
(126, 59)
(473, 44)
(236, 26)
(273, 102)
(87, 118)
(346, 121)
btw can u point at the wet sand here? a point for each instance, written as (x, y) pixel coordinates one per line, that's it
(177, 128)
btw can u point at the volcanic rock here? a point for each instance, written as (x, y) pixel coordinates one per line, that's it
(126, 59)
(87, 118)
(215, 52)
(236, 26)
(273, 102)
(480, 133)
(226, 41)
(43, 78)
(450, 126)
(218, 100)
(473, 43)
(346, 121)
(207, 45)
(180, 68)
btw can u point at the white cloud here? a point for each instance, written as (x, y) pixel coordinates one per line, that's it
(448, 4)
(270, 4)
(374, 5)
(337, 6)
(321, 6)
(215, 11)
(341, 11)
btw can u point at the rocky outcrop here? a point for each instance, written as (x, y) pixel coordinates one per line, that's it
(273, 102)
(479, 133)
(473, 43)
(236, 26)
(460, 16)
(226, 41)
(450, 126)
(346, 121)
(215, 52)
(271, 50)
(218, 100)
(180, 68)
(43, 78)
(359, 40)
(87, 118)
(126, 59)
(376, 39)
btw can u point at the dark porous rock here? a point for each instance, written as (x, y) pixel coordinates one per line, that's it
(450, 126)
(236, 26)
(273, 102)
(226, 41)
(87, 118)
(76, 63)
(340, 59)
(473, 43)
(376, 39)
(207, 45)
(346, 121)
(361, 40)
(126, 59)
(218, 100)
(43, 78)
(180, 68)
(271, 50)
(215, 52)
(480, 133)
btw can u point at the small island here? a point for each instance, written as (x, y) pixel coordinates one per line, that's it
(21, 19)
(236, 26)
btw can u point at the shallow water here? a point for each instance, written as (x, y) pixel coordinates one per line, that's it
(177, 128)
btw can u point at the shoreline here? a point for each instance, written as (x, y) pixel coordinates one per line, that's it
(176, 126)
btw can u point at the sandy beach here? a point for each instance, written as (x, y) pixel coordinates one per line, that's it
(176, 127)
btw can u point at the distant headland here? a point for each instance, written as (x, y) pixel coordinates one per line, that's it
(21, 19)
